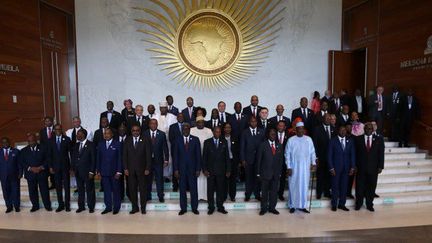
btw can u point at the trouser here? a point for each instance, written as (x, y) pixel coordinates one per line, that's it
(269, 188)
(283, 180)
(52, 179)
(406, 129)
(138, 182)
(215, 184)
(231, 182)
(39, 181)
(11, 192)
(188, 180)
(395, 129)
(323, 179)
(365, 188)
(378, 117)
(339, 184)
(111, 193)
(350, 184)
(156, 174)
(86, 186)
(252, 183)
(62, 181)
(122, 187)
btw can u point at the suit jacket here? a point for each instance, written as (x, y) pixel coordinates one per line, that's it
(126, 114)
(321, 143)
(84, 162)
(368, 162)
(237, 126)
(98, 135)
(274, 121)
(29, 158)
(407, 113)
(60, 159)
(159, 149)
(187, 161)
(248, 110)
(10, 168)
(332, 105)
(209, 123)
(43, 133)
(341, 159)
(174, 110)
(174, 132)
(216, 159)
(340, 120)
(319, 118)
(116, 119)
(269, 125)
(269, 166)
(395, 106)
(132, 121)
(373, 107)
(354, 106)
(188, 118)
(235, 148)
(227, 118)
(109, 160)
(137, 160)
(309, 121)
(249, 145)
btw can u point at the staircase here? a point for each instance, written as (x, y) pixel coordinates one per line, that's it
(407, 178)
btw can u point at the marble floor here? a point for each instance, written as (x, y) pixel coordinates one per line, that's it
(320, 223)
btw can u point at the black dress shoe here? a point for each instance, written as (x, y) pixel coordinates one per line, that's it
(258, 198)
(357, 208)
(133, 211)
(233, 199)
(196, 212)
(343, 208)
(210, 212)
(292, 210)
(161, 200)
(282, 198)
(350, 196)
(182, 212)
(79, 210)
(376, 196)
(274, 211)
(91, 210)
(59, 209)
(371, 209)
(247, 199)
(333, 208)
(76, 191)
(262, 212)
(116, 212)
(17, 210)
(48, 209)
(304, 210)
(10, 209)
(222, 211)
(318, 197)
(68, 209)
(106, 211)
(328, 196)
(143, 211)
(51, 188)
(34, 209)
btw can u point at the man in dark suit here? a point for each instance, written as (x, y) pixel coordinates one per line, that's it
(10, 175)
(151, 109)
(319, 116)
(175, 131)
(99, 134)
(270, 158)
(305, 114)
(395, 110)
(263, 122)
(83, 164)
(282, 139)
(250, 140)
(160, 158)
(377, 108)
(34, 159)
(187, 167)
(214, 120)
(189, 111)
(114, 117)
(234, 156)
(280, 117)
(238, 121)
(122, 136)
(59, 147)
(410, 110)
(321, 138)
(109, 167)
(335, 104)
(343, 117)
(45, 135)
(253, 109)
(216, 167)
(171, 108)
(327, 97)
(369, 163)
(137, 166)
(359, 105)
(341, 162)
(222, 115)
(138, 120)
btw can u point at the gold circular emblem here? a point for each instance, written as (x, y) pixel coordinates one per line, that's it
(208, 43)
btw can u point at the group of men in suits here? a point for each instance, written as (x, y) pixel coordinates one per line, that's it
(130, 146)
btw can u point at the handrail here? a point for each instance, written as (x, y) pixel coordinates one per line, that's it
(16, 119)
(425, 126)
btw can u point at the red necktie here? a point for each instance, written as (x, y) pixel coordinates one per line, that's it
(153, 138)
(6, 154)
(238, 117)
(49, 133)
(368, 144)
(273, 149)
(187, 144)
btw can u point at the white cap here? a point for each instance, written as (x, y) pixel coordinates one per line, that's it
(300, 124)
(163, 104)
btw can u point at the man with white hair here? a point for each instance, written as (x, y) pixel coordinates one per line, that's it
(300, 159)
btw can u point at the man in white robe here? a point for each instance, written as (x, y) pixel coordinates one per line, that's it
(300, 159)
(203, 133)
(165, 120)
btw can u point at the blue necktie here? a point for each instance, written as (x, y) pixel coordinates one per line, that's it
(58, 144)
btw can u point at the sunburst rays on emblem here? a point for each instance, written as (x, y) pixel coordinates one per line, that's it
(211, 44)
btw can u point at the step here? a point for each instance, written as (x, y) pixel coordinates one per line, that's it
(407, 170)
(399, 156)
(404, 178)
(391, 144)
(400, 150)
(407, 163)
(404, 187)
